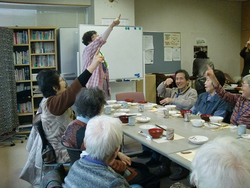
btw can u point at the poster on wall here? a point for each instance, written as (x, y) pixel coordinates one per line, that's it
(172, 39)
(200, 48)
(148, 48)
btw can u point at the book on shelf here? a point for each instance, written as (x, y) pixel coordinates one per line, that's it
(24, 107)
(21, 57)
(43, 35)
(22, 74)
(20, 37)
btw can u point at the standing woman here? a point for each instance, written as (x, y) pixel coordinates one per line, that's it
(245, 54)
(100, 76)
(199, 70)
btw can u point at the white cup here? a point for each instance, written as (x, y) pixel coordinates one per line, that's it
(125, 104)
(131, 120)
(241, 129)
(107, 109)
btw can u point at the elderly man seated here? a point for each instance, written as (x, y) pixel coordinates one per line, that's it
(103, 137)
(223, 162)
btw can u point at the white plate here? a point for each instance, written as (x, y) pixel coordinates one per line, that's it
(143, 119)
(123, 110)
(153, 104)
(198, 139)
(135, 114)
(175, 115)
(246, 136)
(134, 104)
(210, 126)
(197, 122)
(173, 112)
(111, 101)
(119, 114)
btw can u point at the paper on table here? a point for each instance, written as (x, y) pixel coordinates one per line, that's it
(163, 139)
(188, 156)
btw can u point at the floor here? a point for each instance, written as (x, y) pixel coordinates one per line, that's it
(12, 160)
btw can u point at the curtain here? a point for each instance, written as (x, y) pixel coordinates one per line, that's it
(8, 100)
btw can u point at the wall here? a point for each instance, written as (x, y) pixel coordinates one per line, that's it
(35, 15)
(219, 22)
(105, 9)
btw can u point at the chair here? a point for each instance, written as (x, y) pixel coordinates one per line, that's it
(40, 130)
(137, 96)
(74, 154)
(159, 79)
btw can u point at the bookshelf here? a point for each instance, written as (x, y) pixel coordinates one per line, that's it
(34, 49)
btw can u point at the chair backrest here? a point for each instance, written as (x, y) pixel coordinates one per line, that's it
(137, 96)
(74, 154)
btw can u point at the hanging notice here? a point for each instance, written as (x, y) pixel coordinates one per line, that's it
(172, 40)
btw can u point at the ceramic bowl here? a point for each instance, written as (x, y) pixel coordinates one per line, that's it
(124, 118)
(197, 122)
(111, 101)
(170, 107)
(145, 128)
(216, 119)
(185, 111)
(205, 117)
(115, 106)
(155, 132)
(129, 100)
(142, 102)
(148, 106)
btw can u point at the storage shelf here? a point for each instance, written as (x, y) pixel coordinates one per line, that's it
(25, 114)
(20, 81)
(21, 65)
(43, 54)
(32, 39)
(52, 67)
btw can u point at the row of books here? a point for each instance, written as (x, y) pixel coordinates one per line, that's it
(21, 57)
(43, 61)
(24, 107)
(43, 35)
(20, 37)
(22, 87)
(42, 47)
(22, 74)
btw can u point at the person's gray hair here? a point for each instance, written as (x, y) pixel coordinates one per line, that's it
(102, 137)
(89, 102)
(247, 78)
(222, 162)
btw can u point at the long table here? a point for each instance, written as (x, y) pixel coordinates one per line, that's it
(184, 129)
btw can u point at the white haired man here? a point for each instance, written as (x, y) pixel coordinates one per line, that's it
(222, 162)
(103, 137)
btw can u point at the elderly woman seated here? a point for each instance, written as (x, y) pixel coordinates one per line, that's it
(209, 102)
(241, 102)
(223, 162)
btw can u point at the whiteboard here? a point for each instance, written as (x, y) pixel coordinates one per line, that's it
(122, 51)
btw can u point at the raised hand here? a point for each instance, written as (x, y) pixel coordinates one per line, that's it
(210, 74)
(116, 21)
(168, 81)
